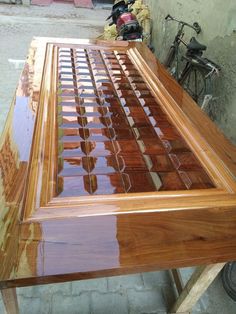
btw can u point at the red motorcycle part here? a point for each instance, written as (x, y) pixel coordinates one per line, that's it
(125, 18)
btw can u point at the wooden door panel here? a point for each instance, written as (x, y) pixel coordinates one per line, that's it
(109, 137)
(114, 170)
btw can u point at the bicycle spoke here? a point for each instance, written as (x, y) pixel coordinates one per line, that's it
(194, 83)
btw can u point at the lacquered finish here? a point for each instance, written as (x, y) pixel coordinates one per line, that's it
(108, 167)
(114, 136)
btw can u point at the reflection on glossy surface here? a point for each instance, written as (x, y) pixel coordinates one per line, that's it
(109, 135)
(101, 245)
(15, 146)
(99, 259)
(108, 115)
(23, 126)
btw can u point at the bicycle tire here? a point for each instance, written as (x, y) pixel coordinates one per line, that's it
(170, 57)
(195, 82)
(229, 282)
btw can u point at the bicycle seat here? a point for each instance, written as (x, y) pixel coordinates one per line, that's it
(195, 45)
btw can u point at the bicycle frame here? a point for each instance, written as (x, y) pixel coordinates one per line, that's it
(198, 72)
(179, 39)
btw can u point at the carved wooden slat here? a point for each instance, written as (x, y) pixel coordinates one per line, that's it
(97, 101)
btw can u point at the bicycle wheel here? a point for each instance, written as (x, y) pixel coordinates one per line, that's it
(170, 57)
(171, 62)
(195, 82)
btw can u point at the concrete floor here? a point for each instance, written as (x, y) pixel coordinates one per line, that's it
(141, 293)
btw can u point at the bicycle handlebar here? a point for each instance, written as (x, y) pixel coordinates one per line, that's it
(195, 25)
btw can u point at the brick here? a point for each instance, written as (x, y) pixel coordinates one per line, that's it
(169, 295)
(110, 303)
(71, 304)
(199, 308)
(119, 283)
(81, 286)
(146, 301)
(43, 291)
(33, 305)
(156, 279)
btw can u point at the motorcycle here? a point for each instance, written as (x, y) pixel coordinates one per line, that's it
(127, 25)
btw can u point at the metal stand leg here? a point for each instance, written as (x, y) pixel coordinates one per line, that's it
(10, 301)
(195, 287)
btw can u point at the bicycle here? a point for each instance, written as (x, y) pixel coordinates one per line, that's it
(198, 72)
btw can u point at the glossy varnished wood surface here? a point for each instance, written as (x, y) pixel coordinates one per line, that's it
(108, 167)
(113, 135)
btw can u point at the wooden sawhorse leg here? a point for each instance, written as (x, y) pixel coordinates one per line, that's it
(9, 297)
(198, 283)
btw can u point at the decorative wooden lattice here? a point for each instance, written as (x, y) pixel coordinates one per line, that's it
(113, 135)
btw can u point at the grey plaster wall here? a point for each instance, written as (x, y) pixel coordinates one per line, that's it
(218, 21)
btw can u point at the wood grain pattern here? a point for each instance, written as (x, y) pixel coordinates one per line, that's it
(9, 297)
(195, 287)
(115, 169)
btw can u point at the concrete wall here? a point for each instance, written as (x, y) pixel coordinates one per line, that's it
(218, 21)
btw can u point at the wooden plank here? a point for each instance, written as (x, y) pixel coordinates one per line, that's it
(198, 283)
(9, 297)
(178, 280)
